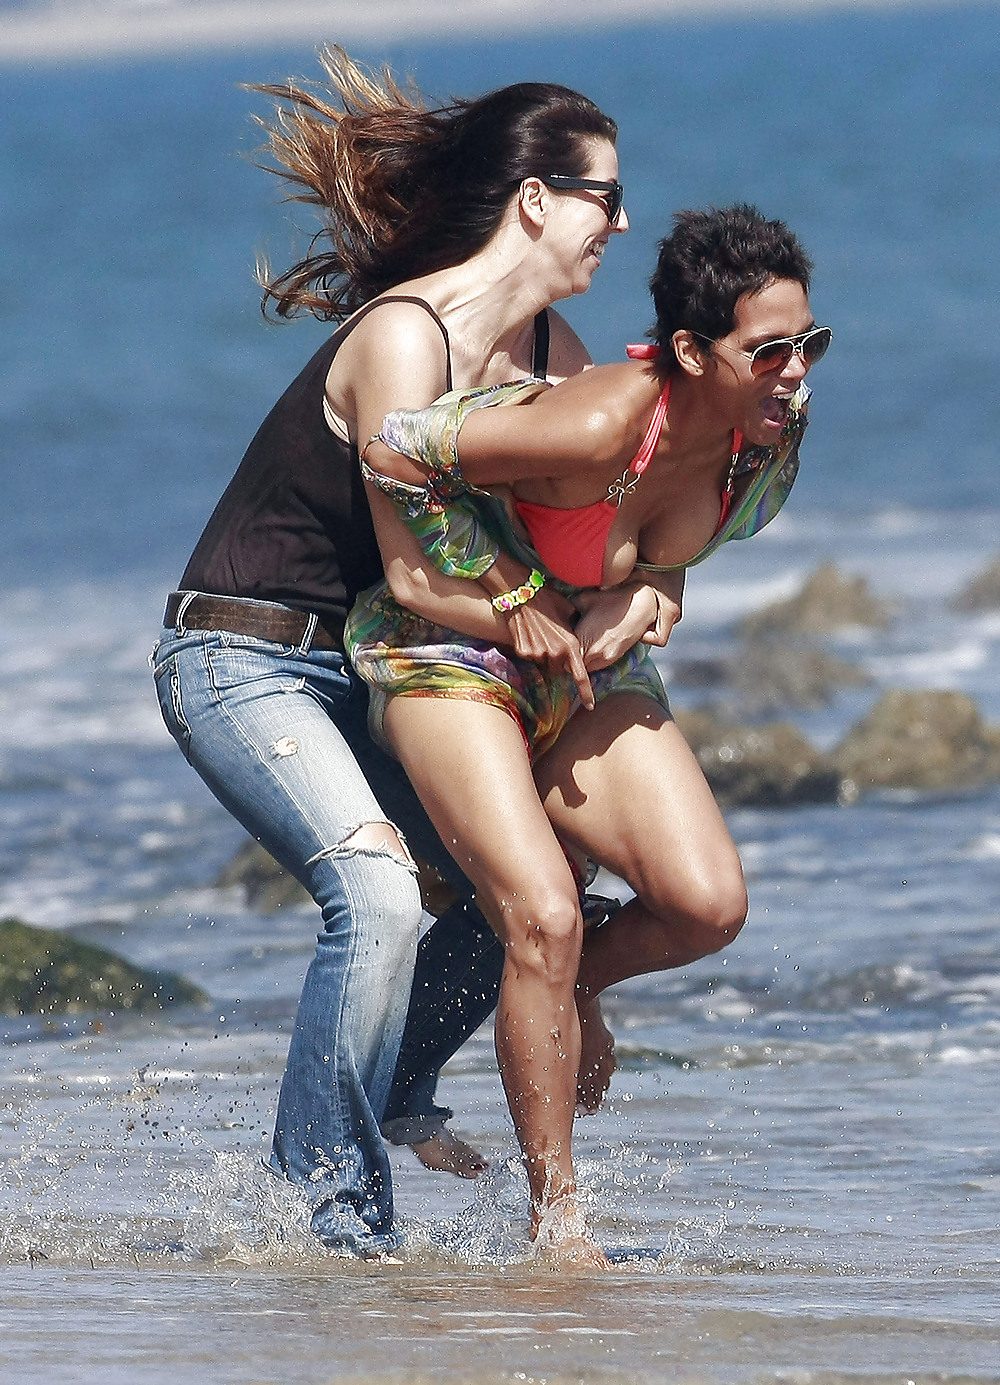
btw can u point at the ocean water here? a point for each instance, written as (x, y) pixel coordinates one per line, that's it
(798, 1165)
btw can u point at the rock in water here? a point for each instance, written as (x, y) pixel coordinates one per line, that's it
(930, 740)
(982, 593)
(770, 673)
(44, 972)
(759, 766)
(830, 600)
(266, 886)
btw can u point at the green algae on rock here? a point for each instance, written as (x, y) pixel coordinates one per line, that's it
(45, 972)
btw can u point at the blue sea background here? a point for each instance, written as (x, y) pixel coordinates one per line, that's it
(136, 362)
(805, 1129)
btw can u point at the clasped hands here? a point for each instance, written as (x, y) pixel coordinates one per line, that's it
(592, 631)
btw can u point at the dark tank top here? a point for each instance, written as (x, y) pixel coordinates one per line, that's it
(293, 525)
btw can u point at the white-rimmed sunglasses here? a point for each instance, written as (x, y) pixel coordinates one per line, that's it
(811, 346)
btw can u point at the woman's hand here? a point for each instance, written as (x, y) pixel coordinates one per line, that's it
(540, 630)
(618, 618)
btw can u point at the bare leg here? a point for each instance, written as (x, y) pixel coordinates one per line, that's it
(597, 1054)
(623, 785)
(497, 831)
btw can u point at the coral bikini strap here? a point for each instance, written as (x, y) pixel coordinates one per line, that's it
(644, 456)
(647, 351)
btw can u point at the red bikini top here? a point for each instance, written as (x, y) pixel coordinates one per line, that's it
(572, 543)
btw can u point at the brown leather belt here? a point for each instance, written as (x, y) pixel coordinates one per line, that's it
(259, 619)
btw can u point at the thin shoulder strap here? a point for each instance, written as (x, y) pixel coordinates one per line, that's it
(540, 355)
(643, 457)
(404, 298)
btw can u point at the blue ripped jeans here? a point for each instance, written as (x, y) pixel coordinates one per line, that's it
(280, 737)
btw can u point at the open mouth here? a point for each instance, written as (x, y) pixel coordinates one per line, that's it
(775, 409)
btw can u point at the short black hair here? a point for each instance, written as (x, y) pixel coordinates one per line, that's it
(709, 261)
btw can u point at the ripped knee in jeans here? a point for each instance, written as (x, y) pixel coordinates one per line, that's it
(370, 839)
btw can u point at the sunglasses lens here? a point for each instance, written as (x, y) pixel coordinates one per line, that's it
(611, 194)
(773, 355)
(815, 345)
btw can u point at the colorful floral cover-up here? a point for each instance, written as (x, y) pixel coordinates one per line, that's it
(461, 528)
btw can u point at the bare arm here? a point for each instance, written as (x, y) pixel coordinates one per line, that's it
(645, 608)
(392, 369)
(590, 423)
(567, 358)
(421, 587)
(539, 630)
(394, 359)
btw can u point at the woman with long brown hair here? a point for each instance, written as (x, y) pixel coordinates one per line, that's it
(447, 234)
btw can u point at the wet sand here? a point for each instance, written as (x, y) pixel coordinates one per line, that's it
(73, 30)
(358, 1325)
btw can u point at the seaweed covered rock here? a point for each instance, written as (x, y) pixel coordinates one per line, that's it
(983, 592)
(829, 600)
(44, 972)
(929, 740)
(759, 766)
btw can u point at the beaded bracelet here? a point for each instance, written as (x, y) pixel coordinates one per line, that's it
(509, 601)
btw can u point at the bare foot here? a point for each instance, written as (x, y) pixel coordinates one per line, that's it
(597, 1056)
(446, 1153)
(563, 1239)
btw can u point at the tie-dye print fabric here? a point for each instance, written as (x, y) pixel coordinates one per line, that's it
(461, 529)
(398, 653)
(443, 513)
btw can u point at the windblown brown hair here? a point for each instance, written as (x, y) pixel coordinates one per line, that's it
(404, 189)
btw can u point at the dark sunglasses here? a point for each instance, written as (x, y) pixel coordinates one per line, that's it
(775, 355)
(612, 194)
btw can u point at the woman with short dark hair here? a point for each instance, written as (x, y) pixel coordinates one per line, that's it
(625, 475)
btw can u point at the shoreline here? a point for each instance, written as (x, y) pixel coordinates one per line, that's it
(62, 31)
